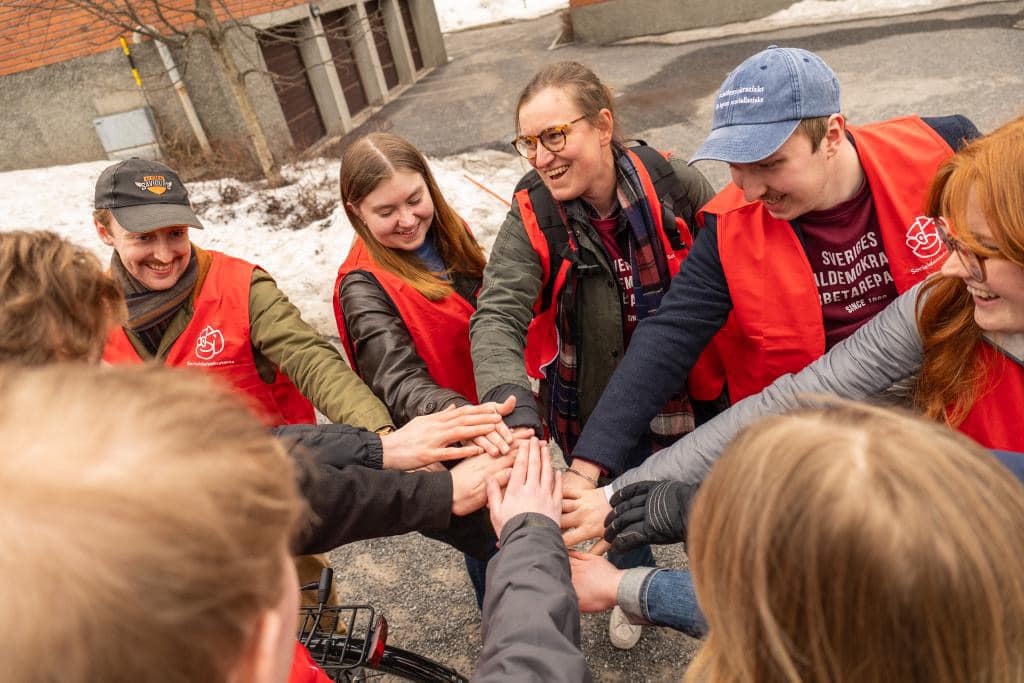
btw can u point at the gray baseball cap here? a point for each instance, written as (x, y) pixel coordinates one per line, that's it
(144, 195)
(763, 100)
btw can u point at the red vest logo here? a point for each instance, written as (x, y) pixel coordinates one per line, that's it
(209, 343)
(923, 238)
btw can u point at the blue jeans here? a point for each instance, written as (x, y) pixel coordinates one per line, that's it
(637, 557)
(477, 570)
(667, 598)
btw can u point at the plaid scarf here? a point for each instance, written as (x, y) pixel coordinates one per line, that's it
(651, 280)
(149, 311)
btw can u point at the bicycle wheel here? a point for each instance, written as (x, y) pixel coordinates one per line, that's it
(414, 667)
(395, 661)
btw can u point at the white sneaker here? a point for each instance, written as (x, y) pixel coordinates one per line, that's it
(623, 634)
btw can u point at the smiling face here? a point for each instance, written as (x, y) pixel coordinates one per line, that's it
(999, 300)
(792, 181)
(157, 258)
(398, 212)
(584, 167)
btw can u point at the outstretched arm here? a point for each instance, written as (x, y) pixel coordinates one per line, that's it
(386, 354)
(531, 622)
(281, 335)
(882, 352)
(661, 353)
(497, 331)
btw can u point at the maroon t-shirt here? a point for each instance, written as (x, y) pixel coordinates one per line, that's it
(844, 247)
(606, 229)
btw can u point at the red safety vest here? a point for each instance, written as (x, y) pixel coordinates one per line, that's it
(776, 324)
(548, 236)
(439, 329)
(994, 420)
(304, 669)
(217, 340)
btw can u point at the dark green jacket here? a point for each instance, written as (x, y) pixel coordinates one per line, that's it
(512, 281)
(282, 339)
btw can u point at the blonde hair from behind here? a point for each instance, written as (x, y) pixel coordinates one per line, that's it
(58, 303)
(850, 543)
(144, 518)
(375, 158)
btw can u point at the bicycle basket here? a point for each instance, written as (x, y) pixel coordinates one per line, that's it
(335, 649)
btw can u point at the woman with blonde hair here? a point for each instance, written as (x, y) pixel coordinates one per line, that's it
(851, 543)
(403, 298)
(147, 527)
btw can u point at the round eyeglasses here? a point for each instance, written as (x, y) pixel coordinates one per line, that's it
(552, 138)
(973, 262)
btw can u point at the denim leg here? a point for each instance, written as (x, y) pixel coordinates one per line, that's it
(477, 570)
(637, 557)
(668, 599)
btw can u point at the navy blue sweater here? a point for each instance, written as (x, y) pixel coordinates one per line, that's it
(665, 346)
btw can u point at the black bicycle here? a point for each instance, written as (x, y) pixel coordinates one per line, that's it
(349, 642)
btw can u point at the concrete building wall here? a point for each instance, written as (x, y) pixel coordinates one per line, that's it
(49, 109)
(605, 21)
(48, 112)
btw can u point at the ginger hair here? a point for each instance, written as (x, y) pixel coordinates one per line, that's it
(850, 543)
(144, 521)
(58, 302)
(992, 167)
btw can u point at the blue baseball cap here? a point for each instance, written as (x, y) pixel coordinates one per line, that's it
(763, 100)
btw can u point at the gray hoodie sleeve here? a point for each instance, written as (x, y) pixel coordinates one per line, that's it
(885, 350)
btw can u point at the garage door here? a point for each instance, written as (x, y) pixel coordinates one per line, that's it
(291, 82)
(338, 27)
(380, 37)
(410, 33)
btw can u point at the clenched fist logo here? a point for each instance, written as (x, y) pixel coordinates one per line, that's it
(923, 238)
(209, 343)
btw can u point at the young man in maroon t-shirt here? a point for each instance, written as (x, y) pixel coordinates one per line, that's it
(778, 125)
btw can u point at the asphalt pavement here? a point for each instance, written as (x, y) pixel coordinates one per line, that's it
(968, 60)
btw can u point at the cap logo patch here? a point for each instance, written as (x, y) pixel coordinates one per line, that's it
(923, 238)
(209, 343)
(157, 184)
(750, 94)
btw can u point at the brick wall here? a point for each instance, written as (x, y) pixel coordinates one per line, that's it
(56, 32)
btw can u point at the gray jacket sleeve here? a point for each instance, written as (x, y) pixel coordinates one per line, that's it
(497, 330)
(885, 350)
(531, 620)
(386, 356)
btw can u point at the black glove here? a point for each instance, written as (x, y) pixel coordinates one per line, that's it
(648, 512)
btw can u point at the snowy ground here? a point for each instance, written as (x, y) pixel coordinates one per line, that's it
(304, 259)
(806, 13)
(456, 15)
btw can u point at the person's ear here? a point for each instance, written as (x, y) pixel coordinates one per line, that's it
(355, 212)
(835, 134)
(104, 233)
(259, 662)
(605, 125)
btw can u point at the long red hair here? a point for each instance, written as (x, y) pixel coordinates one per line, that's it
(992, 168)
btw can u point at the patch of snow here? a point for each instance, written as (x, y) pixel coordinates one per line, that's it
(455, 15)
(805, 13)
(302, 259)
